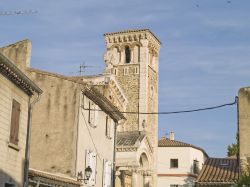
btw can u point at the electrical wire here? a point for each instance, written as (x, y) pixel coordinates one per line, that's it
(172, 112)
(90, 135)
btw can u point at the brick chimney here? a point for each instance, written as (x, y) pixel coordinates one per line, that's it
(171, 136)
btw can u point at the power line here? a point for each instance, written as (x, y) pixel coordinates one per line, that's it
(173, 112)
(17, 12)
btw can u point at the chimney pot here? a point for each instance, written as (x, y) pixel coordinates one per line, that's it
(171, 136)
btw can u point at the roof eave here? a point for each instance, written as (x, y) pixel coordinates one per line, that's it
(93, 94)
(9, 70)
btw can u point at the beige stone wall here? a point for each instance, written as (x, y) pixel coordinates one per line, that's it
(12, 160)
(130, 86)
(244, 126)
(54, 125)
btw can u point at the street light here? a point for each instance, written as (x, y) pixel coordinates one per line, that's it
(87, 174)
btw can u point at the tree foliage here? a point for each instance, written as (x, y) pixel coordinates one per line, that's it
(244, 179)
(232, 149)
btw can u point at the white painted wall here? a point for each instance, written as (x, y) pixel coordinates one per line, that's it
(11, 160)
(185, 156)
(99, 143)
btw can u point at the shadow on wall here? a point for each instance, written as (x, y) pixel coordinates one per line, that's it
(7, 181)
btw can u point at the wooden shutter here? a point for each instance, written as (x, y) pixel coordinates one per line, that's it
(92, 113)
(92, 162)
(107, 173)
(15, 116)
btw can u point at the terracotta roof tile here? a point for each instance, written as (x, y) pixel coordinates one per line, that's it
(165, 142)
(218, 171)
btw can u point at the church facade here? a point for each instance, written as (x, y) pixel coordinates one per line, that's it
(132, 57)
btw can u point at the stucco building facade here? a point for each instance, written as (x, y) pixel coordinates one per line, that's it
(17, 92)
(71, 125)
(179, 163)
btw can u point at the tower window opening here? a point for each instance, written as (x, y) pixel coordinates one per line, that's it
(127, 54)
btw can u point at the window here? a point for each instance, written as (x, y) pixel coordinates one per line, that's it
(108, 127)
(136, 70)
(196, 167)
(127, 54)
(174, 185)
(107, 173)
(9, 185)
(125, 71)
(90, 160)
(92, 113)
(14, 128)
(115, 71)
(173, 163)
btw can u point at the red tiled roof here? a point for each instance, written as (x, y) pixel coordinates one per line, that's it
(219, 171)
(165, 142)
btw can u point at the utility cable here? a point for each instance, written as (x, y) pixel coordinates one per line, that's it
(90, 135)
(172, 112)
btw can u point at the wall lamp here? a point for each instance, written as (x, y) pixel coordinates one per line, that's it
(87, 174)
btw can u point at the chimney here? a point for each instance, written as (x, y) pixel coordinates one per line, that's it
(171, 136)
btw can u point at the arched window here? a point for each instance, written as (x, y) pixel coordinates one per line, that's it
(127, 54)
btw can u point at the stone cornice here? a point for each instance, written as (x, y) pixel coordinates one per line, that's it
(131, 36)
(126, 149)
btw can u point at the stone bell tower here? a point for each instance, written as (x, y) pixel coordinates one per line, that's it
(132, 57)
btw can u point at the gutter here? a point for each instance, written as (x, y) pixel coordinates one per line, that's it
(28, 137)
(114, 155)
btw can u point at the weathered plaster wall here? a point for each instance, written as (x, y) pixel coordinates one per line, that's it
(12, 160)
(244, 127)
(54, 124)
(185, 156)
(19, 53)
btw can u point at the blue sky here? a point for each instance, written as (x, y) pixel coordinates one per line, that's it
(204, 58)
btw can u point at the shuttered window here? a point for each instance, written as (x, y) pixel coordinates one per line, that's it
(92, 113)
(15, 116)
(107, 173)
(91, 162)
(108, 127)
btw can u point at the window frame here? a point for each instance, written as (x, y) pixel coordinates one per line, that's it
(15, 122)
(173, 162)
(127, 54)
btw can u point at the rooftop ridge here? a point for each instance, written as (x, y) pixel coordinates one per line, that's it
(166, 142)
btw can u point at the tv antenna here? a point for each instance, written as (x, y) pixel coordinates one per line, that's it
(17, 12)
(82, 68)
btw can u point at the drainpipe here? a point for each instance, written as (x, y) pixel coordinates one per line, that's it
(28, 136)
(238, 134)
(114, 155)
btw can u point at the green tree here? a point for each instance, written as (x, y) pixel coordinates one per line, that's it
(244, 179)
(232, 149)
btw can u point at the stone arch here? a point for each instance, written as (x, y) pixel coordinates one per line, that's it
(124, 45)
(116, 46)
(143, 161)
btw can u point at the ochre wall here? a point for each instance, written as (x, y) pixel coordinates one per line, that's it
(54, 125)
